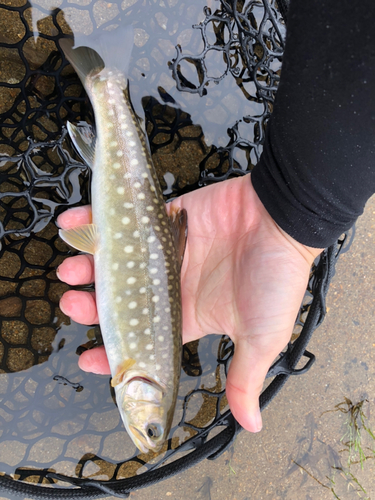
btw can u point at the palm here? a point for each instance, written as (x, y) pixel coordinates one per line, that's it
(241, 276)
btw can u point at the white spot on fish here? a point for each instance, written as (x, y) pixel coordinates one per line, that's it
(132, 144)
(167, 309)
(115, 266)
(118, 299)
(119, 153)
(131, 334)
(133, 322)
(145, 220)
(142, 364)
(131, 280)
(128, 292)
(111, 112)
(147, 331)
(149, 347)
(152, 188)
(156, 282)
(120, 190)
(150, 208)
(151, 239)
(128, 248)
(161, 338)
(157, 228)
(165, 328)
(128, 205)
(137, 185)
(129, 134)
(127, 175)
(125, 221)
(155, 298)
(145, 311)
(141, 196)
(160, 247)
(122, 117)
(132, 305)
(136, 234)
(152, 357)
(130, 264)
(134, 162)
(142, 290)
(109, 124)
(144, 175)
(156, 319)
(132, 345)
(158, 367)
(123, 126)
(117, 236)
(154, 270)
(165, 356)
(142, 265)
(154, 256)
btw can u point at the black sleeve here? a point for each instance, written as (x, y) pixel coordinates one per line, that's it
(317, 168)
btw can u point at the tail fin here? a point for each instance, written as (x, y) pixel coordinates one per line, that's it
(110, 49)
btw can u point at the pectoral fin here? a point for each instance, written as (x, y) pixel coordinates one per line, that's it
(83, 238)
(179, 230)
(122, 369)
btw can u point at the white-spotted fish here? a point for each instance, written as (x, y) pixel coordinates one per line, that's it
(137, 248)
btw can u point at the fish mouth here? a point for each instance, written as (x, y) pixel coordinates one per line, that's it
(139, 439)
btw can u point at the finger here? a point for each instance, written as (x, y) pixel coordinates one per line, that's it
(75, 217)
(245, 381)
(78, 270)
(95, 361)
(80, 306)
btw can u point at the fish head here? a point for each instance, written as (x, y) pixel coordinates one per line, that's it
(145, 406)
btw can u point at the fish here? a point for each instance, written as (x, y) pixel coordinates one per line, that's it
(138, 249)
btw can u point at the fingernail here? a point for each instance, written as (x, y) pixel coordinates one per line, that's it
(258, 421)
(57, 273)
(61, 306)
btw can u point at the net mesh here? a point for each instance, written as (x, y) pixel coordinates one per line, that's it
(59, 426)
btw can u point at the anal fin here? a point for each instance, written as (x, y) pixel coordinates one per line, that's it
(84, 139)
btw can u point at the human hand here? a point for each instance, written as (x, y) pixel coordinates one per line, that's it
(242, 276)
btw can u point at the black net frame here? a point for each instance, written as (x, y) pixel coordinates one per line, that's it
(42, 176)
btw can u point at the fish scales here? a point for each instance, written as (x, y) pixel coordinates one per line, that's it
(137, 248)
(137, 279)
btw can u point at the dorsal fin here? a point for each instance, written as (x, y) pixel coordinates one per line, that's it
(180, 230)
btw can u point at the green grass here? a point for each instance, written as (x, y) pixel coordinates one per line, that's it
(357, 429)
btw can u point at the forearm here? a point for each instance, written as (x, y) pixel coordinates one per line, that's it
(316, 171)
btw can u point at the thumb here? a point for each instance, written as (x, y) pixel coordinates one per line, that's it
(246, 377)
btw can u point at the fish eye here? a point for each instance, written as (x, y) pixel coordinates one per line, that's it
(154, 431)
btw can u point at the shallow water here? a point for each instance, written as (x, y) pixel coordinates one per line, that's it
(54, 415)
